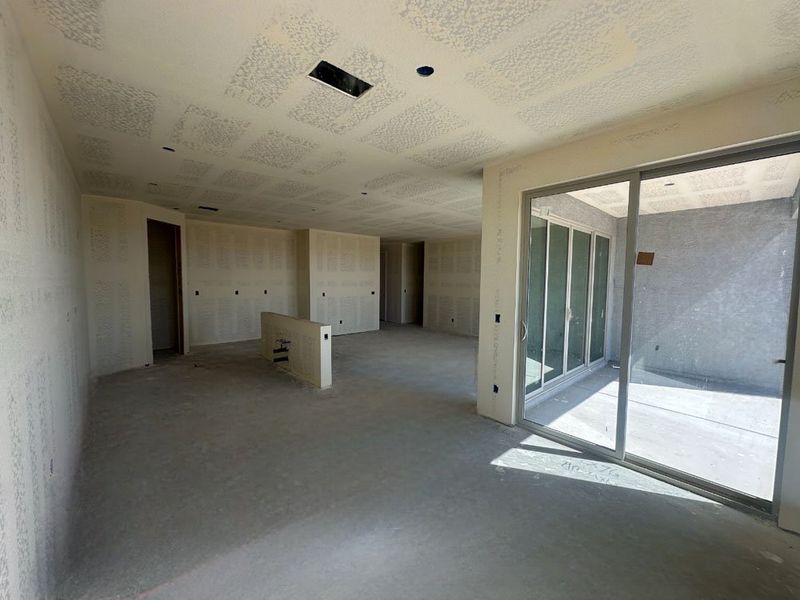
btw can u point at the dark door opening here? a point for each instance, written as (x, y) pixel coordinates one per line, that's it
(384, 265)
(166, 312)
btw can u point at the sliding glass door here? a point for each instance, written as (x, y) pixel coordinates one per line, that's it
(669, 354)
(570, 372)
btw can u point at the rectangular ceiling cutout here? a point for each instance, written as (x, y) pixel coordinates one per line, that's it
(338, 79)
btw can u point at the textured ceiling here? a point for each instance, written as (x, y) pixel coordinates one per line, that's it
(752, 181)
(224, 83)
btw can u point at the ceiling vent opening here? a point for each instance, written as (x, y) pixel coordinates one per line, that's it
(211, 208)
(338, 79)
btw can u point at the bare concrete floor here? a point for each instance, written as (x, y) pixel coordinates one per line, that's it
(215, 476)
(726, 435)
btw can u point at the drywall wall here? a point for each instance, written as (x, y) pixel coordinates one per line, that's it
(235, 273)
(344, 280)
(452, 285)
(299, 346)
(303, 275)
(404, 270)
(117, 282)
(162, 261)
(43, 343)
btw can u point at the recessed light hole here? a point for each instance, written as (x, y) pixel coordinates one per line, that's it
(425, 71)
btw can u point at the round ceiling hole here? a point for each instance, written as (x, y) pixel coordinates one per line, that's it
(363, 193)
(425, 71)
(669, 184)
(168, 149)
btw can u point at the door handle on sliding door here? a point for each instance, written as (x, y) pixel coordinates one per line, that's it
(523, 331)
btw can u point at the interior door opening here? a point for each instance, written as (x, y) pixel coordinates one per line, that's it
(164, 262)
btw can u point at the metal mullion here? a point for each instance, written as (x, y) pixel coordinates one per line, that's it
(627, 315)
(545, 303)
(567, 304)
(587, 359)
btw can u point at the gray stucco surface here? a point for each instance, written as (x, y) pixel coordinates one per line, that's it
(714, 305)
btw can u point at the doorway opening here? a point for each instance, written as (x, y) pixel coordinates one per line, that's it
(166, 306)
(669, 354)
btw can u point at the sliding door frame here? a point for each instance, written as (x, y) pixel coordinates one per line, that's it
(593, 232)
(618, 454)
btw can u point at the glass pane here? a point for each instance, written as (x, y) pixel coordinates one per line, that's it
(578, 298)
(536, 284)
(710, 321)
(584, 403)
(556, 301)
(599, 297)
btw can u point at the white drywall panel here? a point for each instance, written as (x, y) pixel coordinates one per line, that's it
(344, 280)
(303, 281)
(43, 342)
(235, 273)
(452, 285)
(308, 347)
(117, 282)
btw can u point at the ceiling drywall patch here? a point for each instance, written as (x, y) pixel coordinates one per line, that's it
(271, 65)
(721, 177)
(171, 190)
(386, 180)
(573, 49)
(95, 150)
(241, 180)
(466, 204)
(777, 168)
(278, 150)
(103, 181)
(469, 25)
(414, 126)
(289, 188)
(325, 197)
(207, 130)
(618, 96)
(102, 102)
(469, 147)
(417, 187)
(218, 198)
(367, 205)
(321, 164)
(78, 20)
(192, 170)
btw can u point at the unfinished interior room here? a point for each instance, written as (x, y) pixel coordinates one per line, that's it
(413, 299)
